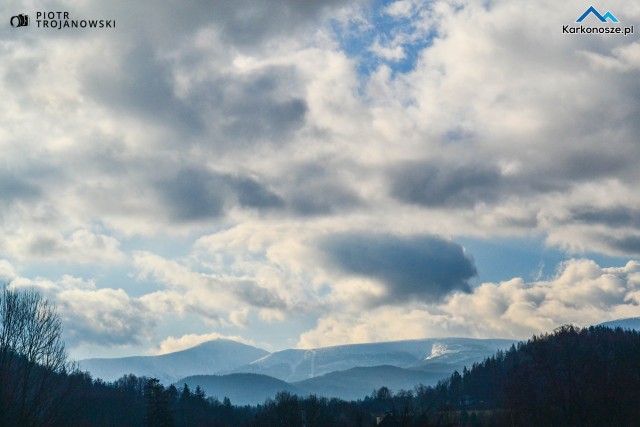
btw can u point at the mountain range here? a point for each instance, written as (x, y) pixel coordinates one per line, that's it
(299, 365)
(224, 368)
(249, 375)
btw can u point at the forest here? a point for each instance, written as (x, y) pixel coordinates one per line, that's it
(569, 377)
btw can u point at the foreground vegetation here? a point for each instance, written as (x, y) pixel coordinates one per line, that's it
(571, 377)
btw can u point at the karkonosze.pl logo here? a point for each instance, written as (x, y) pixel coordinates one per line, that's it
(60, 20)
(607, 18)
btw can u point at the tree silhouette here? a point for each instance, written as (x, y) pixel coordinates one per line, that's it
(31, 355)
(157, 405)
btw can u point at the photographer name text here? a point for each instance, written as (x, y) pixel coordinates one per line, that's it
(60, 20)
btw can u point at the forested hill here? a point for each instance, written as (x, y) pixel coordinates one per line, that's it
(571, 377)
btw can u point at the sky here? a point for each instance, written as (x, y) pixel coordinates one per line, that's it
(297, 174)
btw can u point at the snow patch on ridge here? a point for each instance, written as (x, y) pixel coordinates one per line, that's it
(439, 349)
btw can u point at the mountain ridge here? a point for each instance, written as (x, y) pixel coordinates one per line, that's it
(241, 389)
(209, 357)
(294, 365)
(625, 323)
(314, 362)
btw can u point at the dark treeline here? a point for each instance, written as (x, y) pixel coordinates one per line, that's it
(571, 377)
(141, 401)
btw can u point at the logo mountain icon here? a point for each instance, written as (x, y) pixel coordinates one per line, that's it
(603, 18)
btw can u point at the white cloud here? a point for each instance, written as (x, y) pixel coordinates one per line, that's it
(172, 344)
(93, 316)
(624, 58)
(81, 246)
(394, 52)
(7, 272)
(581, 293)
(401, 8)
(104, 317)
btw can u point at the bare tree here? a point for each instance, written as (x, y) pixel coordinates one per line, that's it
(32, 354)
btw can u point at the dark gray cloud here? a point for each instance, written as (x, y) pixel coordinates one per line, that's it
(140, 83)
(629, 245)
(43, 246)
(587, 166)
(262, 119)
(425, 268)
(194, 195)
(615, 219)
(322, 199)
(252, 194)
(618, 216)
(445, 185)
(242, 23)
(232, 110)
(262, 106)
(21, 74)
(15, 188)
(197, 194)
(258, 296)
(318, 189)
(580, 164)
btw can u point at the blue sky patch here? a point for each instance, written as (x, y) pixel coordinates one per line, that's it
(358, 39)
